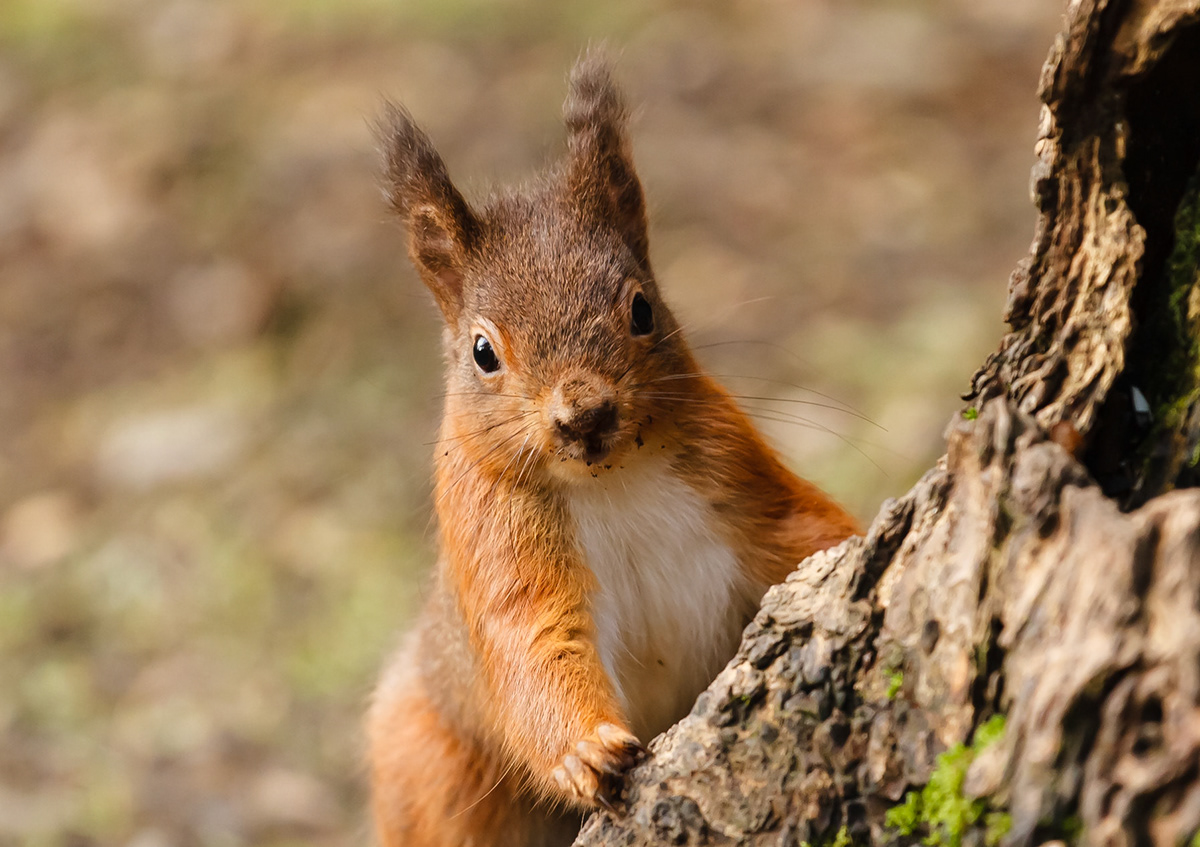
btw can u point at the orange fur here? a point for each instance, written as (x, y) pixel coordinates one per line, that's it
(509, 710)
(433, 788)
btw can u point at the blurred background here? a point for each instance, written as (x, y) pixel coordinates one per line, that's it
(218, 372)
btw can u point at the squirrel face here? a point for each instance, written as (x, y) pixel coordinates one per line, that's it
(555, 332)
(560, 326)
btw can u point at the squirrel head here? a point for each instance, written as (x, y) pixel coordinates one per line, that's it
(556, 337)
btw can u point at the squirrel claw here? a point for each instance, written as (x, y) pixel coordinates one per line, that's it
(605, 802)
(591, 773)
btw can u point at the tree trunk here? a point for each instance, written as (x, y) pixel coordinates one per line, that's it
(1012, 653)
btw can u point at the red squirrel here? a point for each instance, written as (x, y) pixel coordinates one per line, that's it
(609, 519)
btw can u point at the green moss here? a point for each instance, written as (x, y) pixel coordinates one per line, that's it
(841, 839)
(941, 810)
(996, 826)
(1072, 829)
(1170, 349)
(988, 734)
(906, 817)
(895, 683)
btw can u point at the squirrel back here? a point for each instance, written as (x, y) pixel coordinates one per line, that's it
(608, 517)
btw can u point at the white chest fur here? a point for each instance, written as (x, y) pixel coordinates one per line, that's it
(670, 599)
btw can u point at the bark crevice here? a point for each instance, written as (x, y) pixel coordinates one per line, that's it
(1132, 455)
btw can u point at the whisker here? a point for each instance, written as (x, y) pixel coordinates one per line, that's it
(482, 393)
(461, 439)
(669, 335)
(503, 774)
(797, 386)
(488, 428)
(773, 345)
(794, 400)
(669, 378)
(476, 463)
(511, 461)
(653, 347)
(725, 312)
(528, 465)
(685, 398)
(780, 416)
(687, 327)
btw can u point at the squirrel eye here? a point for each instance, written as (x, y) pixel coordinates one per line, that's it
(641, 316)
(485, 356)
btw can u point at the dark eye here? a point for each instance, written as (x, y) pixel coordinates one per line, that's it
(485, 356)
(641, 319)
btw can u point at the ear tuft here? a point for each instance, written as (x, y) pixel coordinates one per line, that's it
(594, 104)
(442, 228)
(600, 172)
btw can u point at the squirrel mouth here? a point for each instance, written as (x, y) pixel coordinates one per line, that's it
(594, 450)
(588, 452)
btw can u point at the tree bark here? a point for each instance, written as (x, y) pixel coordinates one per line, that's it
(1012, 653)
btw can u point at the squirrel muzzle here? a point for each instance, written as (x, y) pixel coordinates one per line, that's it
(584, 416)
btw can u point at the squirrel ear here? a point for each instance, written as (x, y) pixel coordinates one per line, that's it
(442, 229)
(600, 167)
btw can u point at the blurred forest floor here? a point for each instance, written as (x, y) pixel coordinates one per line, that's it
(218, 373)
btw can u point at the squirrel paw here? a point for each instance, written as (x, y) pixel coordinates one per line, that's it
(591, 774)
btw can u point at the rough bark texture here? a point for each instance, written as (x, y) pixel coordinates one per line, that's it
(1047, 570)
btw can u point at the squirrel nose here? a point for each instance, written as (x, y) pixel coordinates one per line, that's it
(583, 412)
(585, 423)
